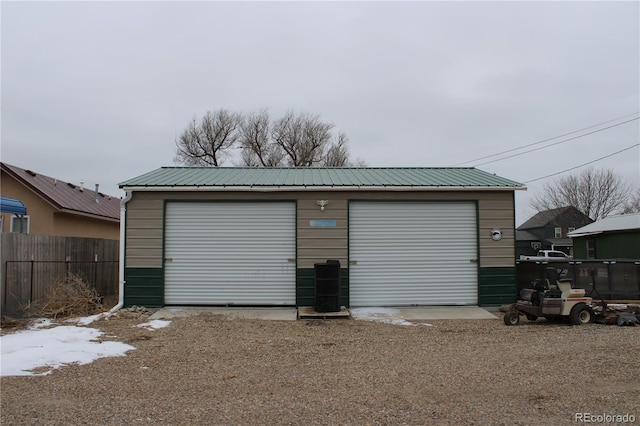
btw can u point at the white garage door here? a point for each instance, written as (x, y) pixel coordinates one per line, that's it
(412, 253)
(224, 253)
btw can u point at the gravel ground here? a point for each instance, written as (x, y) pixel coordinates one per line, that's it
(208, 369)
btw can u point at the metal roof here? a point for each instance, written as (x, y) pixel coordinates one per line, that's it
(626, 222)
(558, 216)
(66, 196)
(526, 236)
(326, 178)
(564, 242)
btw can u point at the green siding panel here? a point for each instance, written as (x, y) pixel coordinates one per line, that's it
(305, 287)
(615, 245)
(496, 286)
(580, 248)
(618, 246)
(144, 287)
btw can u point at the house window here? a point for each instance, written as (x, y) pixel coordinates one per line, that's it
(20, 224)
(558, 233)
(571, 229)
(591, 249)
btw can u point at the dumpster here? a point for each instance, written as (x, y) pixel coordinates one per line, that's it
(327, 286)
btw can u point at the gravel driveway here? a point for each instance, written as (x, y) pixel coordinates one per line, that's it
(208, 369)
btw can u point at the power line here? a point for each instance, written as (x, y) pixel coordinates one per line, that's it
(550, 139)
(585, 164)
(555, 143)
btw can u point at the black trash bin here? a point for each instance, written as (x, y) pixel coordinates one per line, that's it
(327, 284)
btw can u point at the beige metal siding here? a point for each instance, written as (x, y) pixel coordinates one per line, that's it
(495, 210)
(317, 244)
(144, 231)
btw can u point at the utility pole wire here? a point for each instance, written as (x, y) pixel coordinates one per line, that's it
(556, 143)
(585, 164)
(547, 140)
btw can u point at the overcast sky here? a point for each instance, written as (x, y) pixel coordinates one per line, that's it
(98, 92)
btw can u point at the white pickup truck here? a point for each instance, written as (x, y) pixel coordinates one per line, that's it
(546, 255)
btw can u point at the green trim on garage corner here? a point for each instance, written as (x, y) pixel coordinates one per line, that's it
(144, 287)
(497, 286)
(305, 287)
(478, 255)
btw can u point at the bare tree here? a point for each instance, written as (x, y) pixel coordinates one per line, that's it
(304, 138)
(207, 142)
(337, 154)
(596, 193)
(359, 162)
(255, 141)
(632, 205)
(295, 140)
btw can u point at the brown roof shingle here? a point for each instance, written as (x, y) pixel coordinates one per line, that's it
(66, 196)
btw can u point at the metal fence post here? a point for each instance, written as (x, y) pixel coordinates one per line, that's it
(609, 278)
(6, 285)
(638, 276)
(31, 282)
(95, 272)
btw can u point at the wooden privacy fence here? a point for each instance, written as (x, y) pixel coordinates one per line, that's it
(31, 264)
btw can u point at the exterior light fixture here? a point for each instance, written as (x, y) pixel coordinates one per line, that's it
(322, 203)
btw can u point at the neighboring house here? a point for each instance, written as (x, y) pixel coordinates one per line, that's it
(251, 236)
(614, 237)
(547, 230)
(59, 208)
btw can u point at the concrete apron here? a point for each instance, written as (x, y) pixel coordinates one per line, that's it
(273, 314)
(290, 314)
(444, 313)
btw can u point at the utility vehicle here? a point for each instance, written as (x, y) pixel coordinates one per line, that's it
(551, 298)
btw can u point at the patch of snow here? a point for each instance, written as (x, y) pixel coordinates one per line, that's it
(85, 320)
(52, 348)
(154, 324)
(385, 315)
(40, 323)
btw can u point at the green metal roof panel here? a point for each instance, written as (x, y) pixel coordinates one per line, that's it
(315, 176)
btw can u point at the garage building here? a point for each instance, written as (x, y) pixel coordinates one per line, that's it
(251, 236)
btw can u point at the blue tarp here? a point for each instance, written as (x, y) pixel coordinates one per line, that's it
(10, 205)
